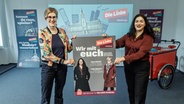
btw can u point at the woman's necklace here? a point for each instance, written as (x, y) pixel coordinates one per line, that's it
(138, 34)
(53, 30)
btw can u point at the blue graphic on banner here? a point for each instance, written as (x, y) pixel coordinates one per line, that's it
(27, 38)
(95, 19)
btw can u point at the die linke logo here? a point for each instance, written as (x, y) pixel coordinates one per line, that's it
(116, 13)
(105, 43)
(30, 12)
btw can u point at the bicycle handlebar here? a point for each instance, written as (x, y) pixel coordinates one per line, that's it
(172, 41)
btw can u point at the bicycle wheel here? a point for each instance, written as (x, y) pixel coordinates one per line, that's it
(181, 64)
(165, 76)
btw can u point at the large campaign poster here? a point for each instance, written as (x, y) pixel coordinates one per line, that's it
(155, 18)
(94, 70)
(27, 38)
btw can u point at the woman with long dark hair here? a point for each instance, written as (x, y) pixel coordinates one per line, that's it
(81, 76)
(137, 42)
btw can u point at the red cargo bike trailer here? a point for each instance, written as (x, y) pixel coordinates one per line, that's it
(163, 62)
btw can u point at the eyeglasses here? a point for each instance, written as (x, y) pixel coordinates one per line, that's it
(51, 17)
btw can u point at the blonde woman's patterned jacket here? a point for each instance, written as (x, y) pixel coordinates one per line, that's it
(45, 42)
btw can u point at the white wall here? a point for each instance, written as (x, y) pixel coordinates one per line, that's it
(179, 18)
(4, 52)
(171, 26)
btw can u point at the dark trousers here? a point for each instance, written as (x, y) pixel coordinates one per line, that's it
(57, 74)
(137, 78)
(106, 88)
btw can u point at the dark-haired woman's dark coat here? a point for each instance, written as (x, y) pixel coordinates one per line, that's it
(81, 77)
